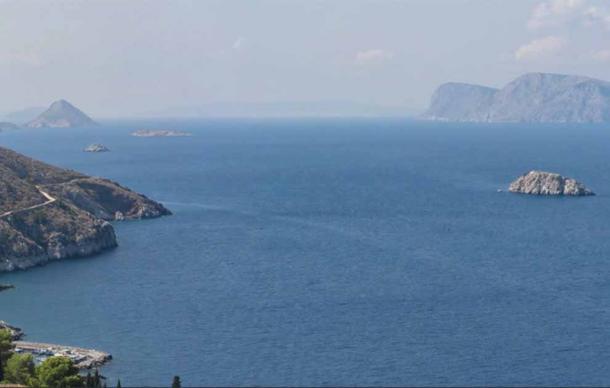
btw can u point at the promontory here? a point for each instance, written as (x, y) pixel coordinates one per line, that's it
(533, 98)
(49, 213)
(548, 183)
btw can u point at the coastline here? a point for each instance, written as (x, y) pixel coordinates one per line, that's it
(81, 357)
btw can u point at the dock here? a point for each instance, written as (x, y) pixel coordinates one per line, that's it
(82, 358)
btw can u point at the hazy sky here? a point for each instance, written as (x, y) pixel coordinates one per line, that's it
(120, 58)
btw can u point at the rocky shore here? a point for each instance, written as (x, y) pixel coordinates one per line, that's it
(548, 183)
(16, 333)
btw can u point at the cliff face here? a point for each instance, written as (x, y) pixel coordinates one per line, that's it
(61, 114)
(461, 102)
(48, 213)
(534, 97)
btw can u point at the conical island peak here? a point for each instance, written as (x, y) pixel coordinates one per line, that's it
(61, 114)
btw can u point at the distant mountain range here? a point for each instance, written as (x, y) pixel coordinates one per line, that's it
(282, 109)
(534, 97)
(23, 115)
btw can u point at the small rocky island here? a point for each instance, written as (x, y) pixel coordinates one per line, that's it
(4, 287)
(96, 148)
(49, 213)
(160, 133)
(61, 114)
(548, 183)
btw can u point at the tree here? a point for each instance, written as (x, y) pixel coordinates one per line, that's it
(176, 383)
(6, 348)
(19, 369)
(57, 372)
(118, 384)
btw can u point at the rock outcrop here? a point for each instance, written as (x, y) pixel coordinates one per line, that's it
(535, 97)
(547, 183)
(4, 287)
(96, 148)
(16, 333)
(61, 114)
(48, 213)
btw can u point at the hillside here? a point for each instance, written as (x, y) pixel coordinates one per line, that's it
(49, 213)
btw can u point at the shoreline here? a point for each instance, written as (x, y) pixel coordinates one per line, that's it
(81, 357)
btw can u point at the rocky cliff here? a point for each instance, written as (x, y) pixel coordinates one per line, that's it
(535, 97)
(48, 213)
(547, 183)
(61, 114)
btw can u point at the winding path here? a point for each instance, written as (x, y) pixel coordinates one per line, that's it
(49, 201)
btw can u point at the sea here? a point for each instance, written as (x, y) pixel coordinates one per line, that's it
(334, 252)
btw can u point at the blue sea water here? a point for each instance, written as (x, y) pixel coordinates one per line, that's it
(335, 252)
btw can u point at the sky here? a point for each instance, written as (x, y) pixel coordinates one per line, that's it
(133, 58)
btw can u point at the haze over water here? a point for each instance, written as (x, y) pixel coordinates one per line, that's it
(336, 251)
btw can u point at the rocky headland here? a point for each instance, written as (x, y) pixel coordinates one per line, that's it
(16, 333)
(548, 183)
(534, 97)
(48, 213)
(61, 114)
(160, 133)
(96, 148)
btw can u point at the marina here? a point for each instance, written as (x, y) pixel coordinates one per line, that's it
(82, 358)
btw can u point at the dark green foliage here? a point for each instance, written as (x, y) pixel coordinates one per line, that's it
(19, 369)
(57, 372)
(176, 383)
(94, 381)
(6, 348)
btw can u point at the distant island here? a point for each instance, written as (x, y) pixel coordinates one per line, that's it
(6, 126)
(96, 148)
(548, 183)
(49, 213)
(534, 98)
(160, 133)
(61, 114)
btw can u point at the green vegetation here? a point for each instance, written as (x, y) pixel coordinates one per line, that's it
(6, 349)
(54, 372)
(19, 369)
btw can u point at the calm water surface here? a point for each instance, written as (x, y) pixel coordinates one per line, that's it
(335, 252)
